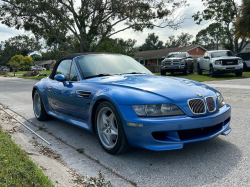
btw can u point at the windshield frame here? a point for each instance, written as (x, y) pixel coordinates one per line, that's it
(76, 59)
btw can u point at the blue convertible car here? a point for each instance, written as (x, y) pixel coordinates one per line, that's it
(126, 105)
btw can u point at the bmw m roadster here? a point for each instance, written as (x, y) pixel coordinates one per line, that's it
(126, 105)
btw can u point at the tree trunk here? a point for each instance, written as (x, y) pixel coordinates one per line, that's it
(14, 72)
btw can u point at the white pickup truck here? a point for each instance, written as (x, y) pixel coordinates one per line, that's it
(220, 61)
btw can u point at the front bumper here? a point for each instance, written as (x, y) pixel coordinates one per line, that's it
(167, 133)
(173, 67)
(228, 69)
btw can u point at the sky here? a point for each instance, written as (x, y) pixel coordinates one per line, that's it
(188, 26)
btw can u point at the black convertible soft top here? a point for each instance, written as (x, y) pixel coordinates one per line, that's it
(71, 56)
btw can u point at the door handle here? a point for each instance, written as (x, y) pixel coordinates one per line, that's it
(50, 88)
(81, 93)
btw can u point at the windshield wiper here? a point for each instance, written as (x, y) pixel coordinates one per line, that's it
(99, 75)
(133, 73)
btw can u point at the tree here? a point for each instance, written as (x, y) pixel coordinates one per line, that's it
(36, 57)
(19, 61)
(93, 21)
(243, 20)
(118, 45)
(152, 42)
(18, 45)
(225, 13)
(211, 37)
(180, 41)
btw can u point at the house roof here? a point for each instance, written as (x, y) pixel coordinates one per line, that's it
(161, 53)
(44, 62)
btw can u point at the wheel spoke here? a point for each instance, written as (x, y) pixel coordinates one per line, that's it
(111, 118)
(114, 132)
(109, 138)
(104, 118)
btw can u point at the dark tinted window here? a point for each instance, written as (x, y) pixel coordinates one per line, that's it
(91, 65)
(246, 56)
(178, 55)
(222, 53)
(73, 73)
(64, 69)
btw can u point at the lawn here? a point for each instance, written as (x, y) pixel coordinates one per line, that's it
(20, 74)
(16, 168)
(205, 76)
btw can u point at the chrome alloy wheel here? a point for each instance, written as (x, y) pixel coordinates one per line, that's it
(37, 107)
(107, 127)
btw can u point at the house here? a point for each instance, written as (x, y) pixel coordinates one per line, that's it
(48, 64)
(246, 48)
(154, 57)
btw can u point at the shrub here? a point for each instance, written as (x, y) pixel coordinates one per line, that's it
(31, 73)
(3, 72)
(26, 68)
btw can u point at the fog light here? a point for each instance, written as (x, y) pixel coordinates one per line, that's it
(135, 125)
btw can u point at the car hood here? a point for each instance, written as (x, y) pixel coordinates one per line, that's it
(227, 58)
(170, 87)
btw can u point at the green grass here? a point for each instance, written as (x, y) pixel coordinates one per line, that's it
(20, 75)
(37, 78)
(16, 168)
(205, 76)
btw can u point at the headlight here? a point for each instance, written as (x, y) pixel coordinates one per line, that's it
(240, 61)
(157, 110)
(218, 62)
(221, 101)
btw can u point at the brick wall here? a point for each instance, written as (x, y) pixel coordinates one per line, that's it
(198, 51)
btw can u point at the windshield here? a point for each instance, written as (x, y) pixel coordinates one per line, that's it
(180, 55)
(109, 64)
(222, 53)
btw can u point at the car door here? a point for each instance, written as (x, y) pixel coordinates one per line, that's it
(60, 97)
(206, 62)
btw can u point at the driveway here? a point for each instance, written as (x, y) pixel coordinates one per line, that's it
(223, 161)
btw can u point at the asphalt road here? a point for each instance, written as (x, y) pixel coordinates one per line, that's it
(223, 161)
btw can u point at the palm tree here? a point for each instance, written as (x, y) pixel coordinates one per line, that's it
(242, 24)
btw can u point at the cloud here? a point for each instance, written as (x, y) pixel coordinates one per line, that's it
(6, 32)
(187, 26)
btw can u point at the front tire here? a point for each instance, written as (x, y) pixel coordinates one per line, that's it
(109, 128)
(199, 71)
(163, 72)
(38, 108)
(211, 71)
(238, 73)
(185, 72)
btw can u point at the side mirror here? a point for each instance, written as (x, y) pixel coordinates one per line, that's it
(61, 78)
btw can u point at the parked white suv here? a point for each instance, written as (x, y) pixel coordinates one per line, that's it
(220, 61)
(39, 68)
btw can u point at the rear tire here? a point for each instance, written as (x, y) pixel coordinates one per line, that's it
(199, 71)
(109, 129)
(245, 66)
(38, 108)
(163, 72)
(192, 69)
